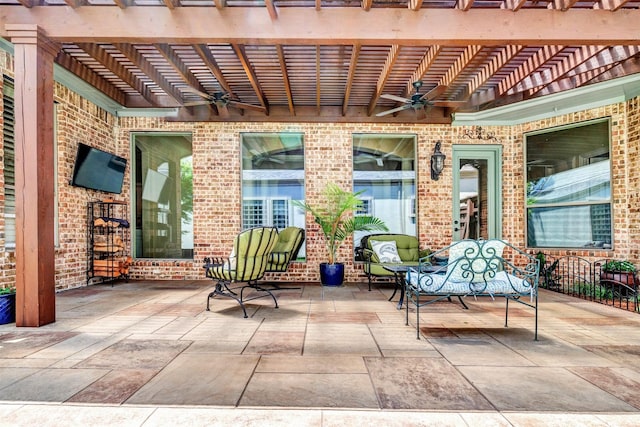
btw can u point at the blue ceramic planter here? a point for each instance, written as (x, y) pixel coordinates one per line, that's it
(331, 274)
(7, 308)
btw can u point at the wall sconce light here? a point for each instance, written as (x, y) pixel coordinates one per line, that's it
(437, 162)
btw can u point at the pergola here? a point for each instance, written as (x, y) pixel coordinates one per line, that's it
(285, 60)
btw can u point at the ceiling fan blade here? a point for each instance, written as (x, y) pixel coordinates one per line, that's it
(194, 103)
(394, 98)
(393, 110)
(197, 92)
(246, 106)
(434, 93)
(450, 104)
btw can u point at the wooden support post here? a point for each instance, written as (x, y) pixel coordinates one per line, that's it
(34, 167)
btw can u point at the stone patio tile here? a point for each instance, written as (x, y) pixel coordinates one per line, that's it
(619, 355)
(427, 384)
(198, 379)
(136, 354)
(310, 391)
(399, 338)
(339, 339)
(624, 383)
(10, 375)
(57, 415)
(22, 343)
(620, 420)
(51, 385)
(311, 365)
(346, 317)
(215, 346)
(222, 417)
(69, 346)
(115, 387)
(275, 342)
(235, 328)
(28, 363)
(540, 389)
(481, 351)
(391, 419)
(111, 324)
(559, 420)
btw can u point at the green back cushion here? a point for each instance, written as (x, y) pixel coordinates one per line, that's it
(408, 246)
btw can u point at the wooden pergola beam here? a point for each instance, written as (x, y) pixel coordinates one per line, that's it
(251, 75)
(355, 54)
(392, 56)
(285, 79)
(244, 25)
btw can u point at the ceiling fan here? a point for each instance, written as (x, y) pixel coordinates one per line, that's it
(221, 100)
(420, 103)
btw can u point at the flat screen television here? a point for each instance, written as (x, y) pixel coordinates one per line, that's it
(98, 170)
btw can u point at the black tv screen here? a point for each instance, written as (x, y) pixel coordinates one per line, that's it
(98, 170)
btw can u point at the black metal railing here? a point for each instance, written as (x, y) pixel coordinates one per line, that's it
(579, 277)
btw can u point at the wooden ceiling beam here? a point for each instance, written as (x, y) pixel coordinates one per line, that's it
(89, 76)
(573, 82)
(271, 8)
(415, 4)
(220, 4)
(74, 4)
(392, 56)
(305, 26)
(171, 4)
(611, 5)
(147, 68)
(513, 5)
(108, 61)
(562, 5)
(318, 80)
(353, 64)
(630, 66)
(26, 3)
(209, 60)
(463, 60)
(506, 54)
(285, 79)
(251, 75)
(423, 67)
(183, 71)
(464, 4)
(123, 4)
(535, 61)
(559, 70)
(366, 4)
(610, 56)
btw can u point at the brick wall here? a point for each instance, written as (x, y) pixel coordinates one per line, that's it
(217, 184)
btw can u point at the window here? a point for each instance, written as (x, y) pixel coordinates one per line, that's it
(9, 165)
(163, 179)
(568, 199)
(366, 209)
(383, 166)
(272, 176)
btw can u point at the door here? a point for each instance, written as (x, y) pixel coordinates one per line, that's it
(477, 189)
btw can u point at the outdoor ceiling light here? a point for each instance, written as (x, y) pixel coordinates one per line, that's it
(437, 162)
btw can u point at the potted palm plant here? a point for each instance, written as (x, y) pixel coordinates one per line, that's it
(7, 305)
(336, 220)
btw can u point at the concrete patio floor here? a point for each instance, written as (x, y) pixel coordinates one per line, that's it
(147, 353)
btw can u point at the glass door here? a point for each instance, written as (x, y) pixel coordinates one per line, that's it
(477, 186)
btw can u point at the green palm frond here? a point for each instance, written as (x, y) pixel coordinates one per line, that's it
(336, 219)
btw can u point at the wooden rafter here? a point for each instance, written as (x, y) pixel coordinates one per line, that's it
(285, 78)
(171, 4)
(464, 4)
(506, 54)
(109, 62)
(513, 5)
(454, 71)
(207, 57)
(562, 5)
(392, 56)
(143, 64)
(541, 57)
(607, 57)
(74, 4)
(318, 4)
(415, 4)
(179, 66)
(630, 66)
(220, 4)
(559, 70)
(611, 5)
(271, 8)
(89, 76)
(423, 67)
(251, 75)
(366, 4)
(574, 81)
(26, 3)
(122, 4)
(353, 64)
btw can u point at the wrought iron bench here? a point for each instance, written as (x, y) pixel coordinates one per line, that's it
(476, 268)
